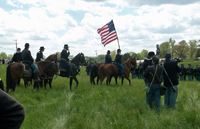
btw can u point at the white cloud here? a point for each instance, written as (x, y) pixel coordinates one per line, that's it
(40, 22)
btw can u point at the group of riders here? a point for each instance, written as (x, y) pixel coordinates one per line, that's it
(26, 58)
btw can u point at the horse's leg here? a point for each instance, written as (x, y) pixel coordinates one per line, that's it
(18, 82)
(70, 83)
(41, 82)
(101, 79)
(45, 83)
(76, 80)
(108, 80)
(97, 80)
(122, 80)
(50, 81)
(116, 80)
(127, 77)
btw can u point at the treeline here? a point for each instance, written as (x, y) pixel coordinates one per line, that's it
(101, 58)
(3, 55)
(183, 49)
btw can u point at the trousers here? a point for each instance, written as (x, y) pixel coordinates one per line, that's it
(154, 94)
(171, 96)
(34, 67)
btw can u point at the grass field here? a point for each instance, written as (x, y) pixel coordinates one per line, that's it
(98, 107)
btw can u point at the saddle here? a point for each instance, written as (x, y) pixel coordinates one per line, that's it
(63, 71)
(27, 70)
(116, 67)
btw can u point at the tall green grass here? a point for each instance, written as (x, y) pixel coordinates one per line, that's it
(100, 106)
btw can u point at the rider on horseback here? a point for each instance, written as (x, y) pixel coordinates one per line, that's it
(28, 59)
(39, 56)
(17, 56)
(118, 62)
(64, 60)
(108, 58)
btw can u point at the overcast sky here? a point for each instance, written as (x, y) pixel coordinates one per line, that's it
(140, 24)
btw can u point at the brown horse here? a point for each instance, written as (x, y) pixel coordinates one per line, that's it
(15, 71)
(109, 70)
(49, 78)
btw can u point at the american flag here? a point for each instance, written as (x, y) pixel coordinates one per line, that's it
(107, 33)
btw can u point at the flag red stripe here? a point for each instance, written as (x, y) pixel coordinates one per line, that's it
(106, 35)
(109, 42)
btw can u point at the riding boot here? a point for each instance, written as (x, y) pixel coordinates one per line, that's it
(36, 78)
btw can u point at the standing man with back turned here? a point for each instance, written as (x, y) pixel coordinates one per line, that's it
(170, 75)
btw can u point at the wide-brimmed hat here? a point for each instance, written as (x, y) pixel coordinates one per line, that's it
(108, 51)
(118, 50)
(42, 48)
(168, 55)
(66, 45)
(151, 53)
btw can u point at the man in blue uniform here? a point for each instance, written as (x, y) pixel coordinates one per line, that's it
(153, 75)
(182, 73)
(147, 62)
(28, 59)
(39, 56)
(197, 73)
(64, 60)
(108, 58)
(189, 72)
(118, 62)
(17, 56)
(170, 76)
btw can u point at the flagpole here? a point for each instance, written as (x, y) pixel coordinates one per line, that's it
(117, 35)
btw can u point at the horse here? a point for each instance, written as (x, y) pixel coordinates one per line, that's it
(75, 62)
(94, 74)
(47, 68)
(48, 78)
(110, 70)
(79, 58)
(15, 71)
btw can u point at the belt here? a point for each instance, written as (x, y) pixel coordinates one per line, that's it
(63, 59)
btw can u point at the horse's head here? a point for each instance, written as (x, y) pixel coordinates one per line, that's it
(134, 62)
(82, 58)
(52, 57)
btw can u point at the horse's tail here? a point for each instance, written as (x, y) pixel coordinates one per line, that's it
(92, 74)
(101, 71)
(8, 78)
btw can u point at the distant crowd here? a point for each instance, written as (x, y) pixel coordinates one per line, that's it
(187, 73)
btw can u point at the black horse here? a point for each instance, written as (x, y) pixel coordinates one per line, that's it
(74, 70)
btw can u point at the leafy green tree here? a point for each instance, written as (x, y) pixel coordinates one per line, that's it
(198, 52)
(101, 58)
(125, 57)
(144, 53)
(181, 49)
(10, 56)
(113, 54)
(3, 55)
(132, 54)
(140, 56)
(193, 44)
(164, 48)
(171, 43)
